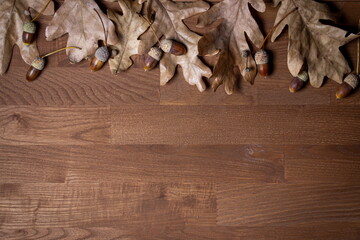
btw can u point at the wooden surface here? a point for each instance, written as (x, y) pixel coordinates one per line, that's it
(95, 156)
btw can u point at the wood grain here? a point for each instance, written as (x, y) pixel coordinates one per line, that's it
(235, 125)
(107, 204)
(313, 163)
(287, 204)
(329, 232)
(28, 125)
(157, 163)
(79, 88)
(325, 231)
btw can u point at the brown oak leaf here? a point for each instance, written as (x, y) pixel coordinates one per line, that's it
(129, 27)
(80, 21)
(169, 23)
(229, 40)
(313, 42)
(12, 19)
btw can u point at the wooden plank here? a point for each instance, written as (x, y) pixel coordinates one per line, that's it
(328, 232)
(68, 86)
(156, 163)
(45, 125)
(287, 204)
(235, 125)
(148, 205)
(329, 163)
(93, 233)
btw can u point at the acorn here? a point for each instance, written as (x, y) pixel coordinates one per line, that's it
(101, 56)
(152, 58)
(173, 47)
(35, 69)
(29, 30)
(262, 60)
(299, 81)
(349, 85)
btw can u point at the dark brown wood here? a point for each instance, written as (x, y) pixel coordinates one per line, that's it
(150, 205)
(329, 232)
(235, 124)
(287, 204)
(314, 163)
(96, 156)
(153, 163)
(50, 125)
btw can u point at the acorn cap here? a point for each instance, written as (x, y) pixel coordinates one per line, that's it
(155, 53)
(38, 63)
(102, 53)
(29, 27)
(166, 44)
(245, 53)
(303, 76)
(261, 57)
(352, 80)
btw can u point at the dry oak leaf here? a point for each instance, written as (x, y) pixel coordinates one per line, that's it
(312, 42)
(228, 39)
(169, 23)
(80, 21)
(12, 19)
(129, 27)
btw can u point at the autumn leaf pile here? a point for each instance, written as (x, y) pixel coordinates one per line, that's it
(129, 34)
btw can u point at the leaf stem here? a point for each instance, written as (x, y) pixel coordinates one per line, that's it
(273, 29)
(102, 23)
(151, 27)
(61, 49)
(42, 10)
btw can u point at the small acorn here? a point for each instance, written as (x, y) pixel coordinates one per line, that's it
(152, 58)
(35, 69)
(349, 85)
(38, 64)
(262, 60)
(101, 56)
(29, 30)
(173, 47)
(299, 82)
